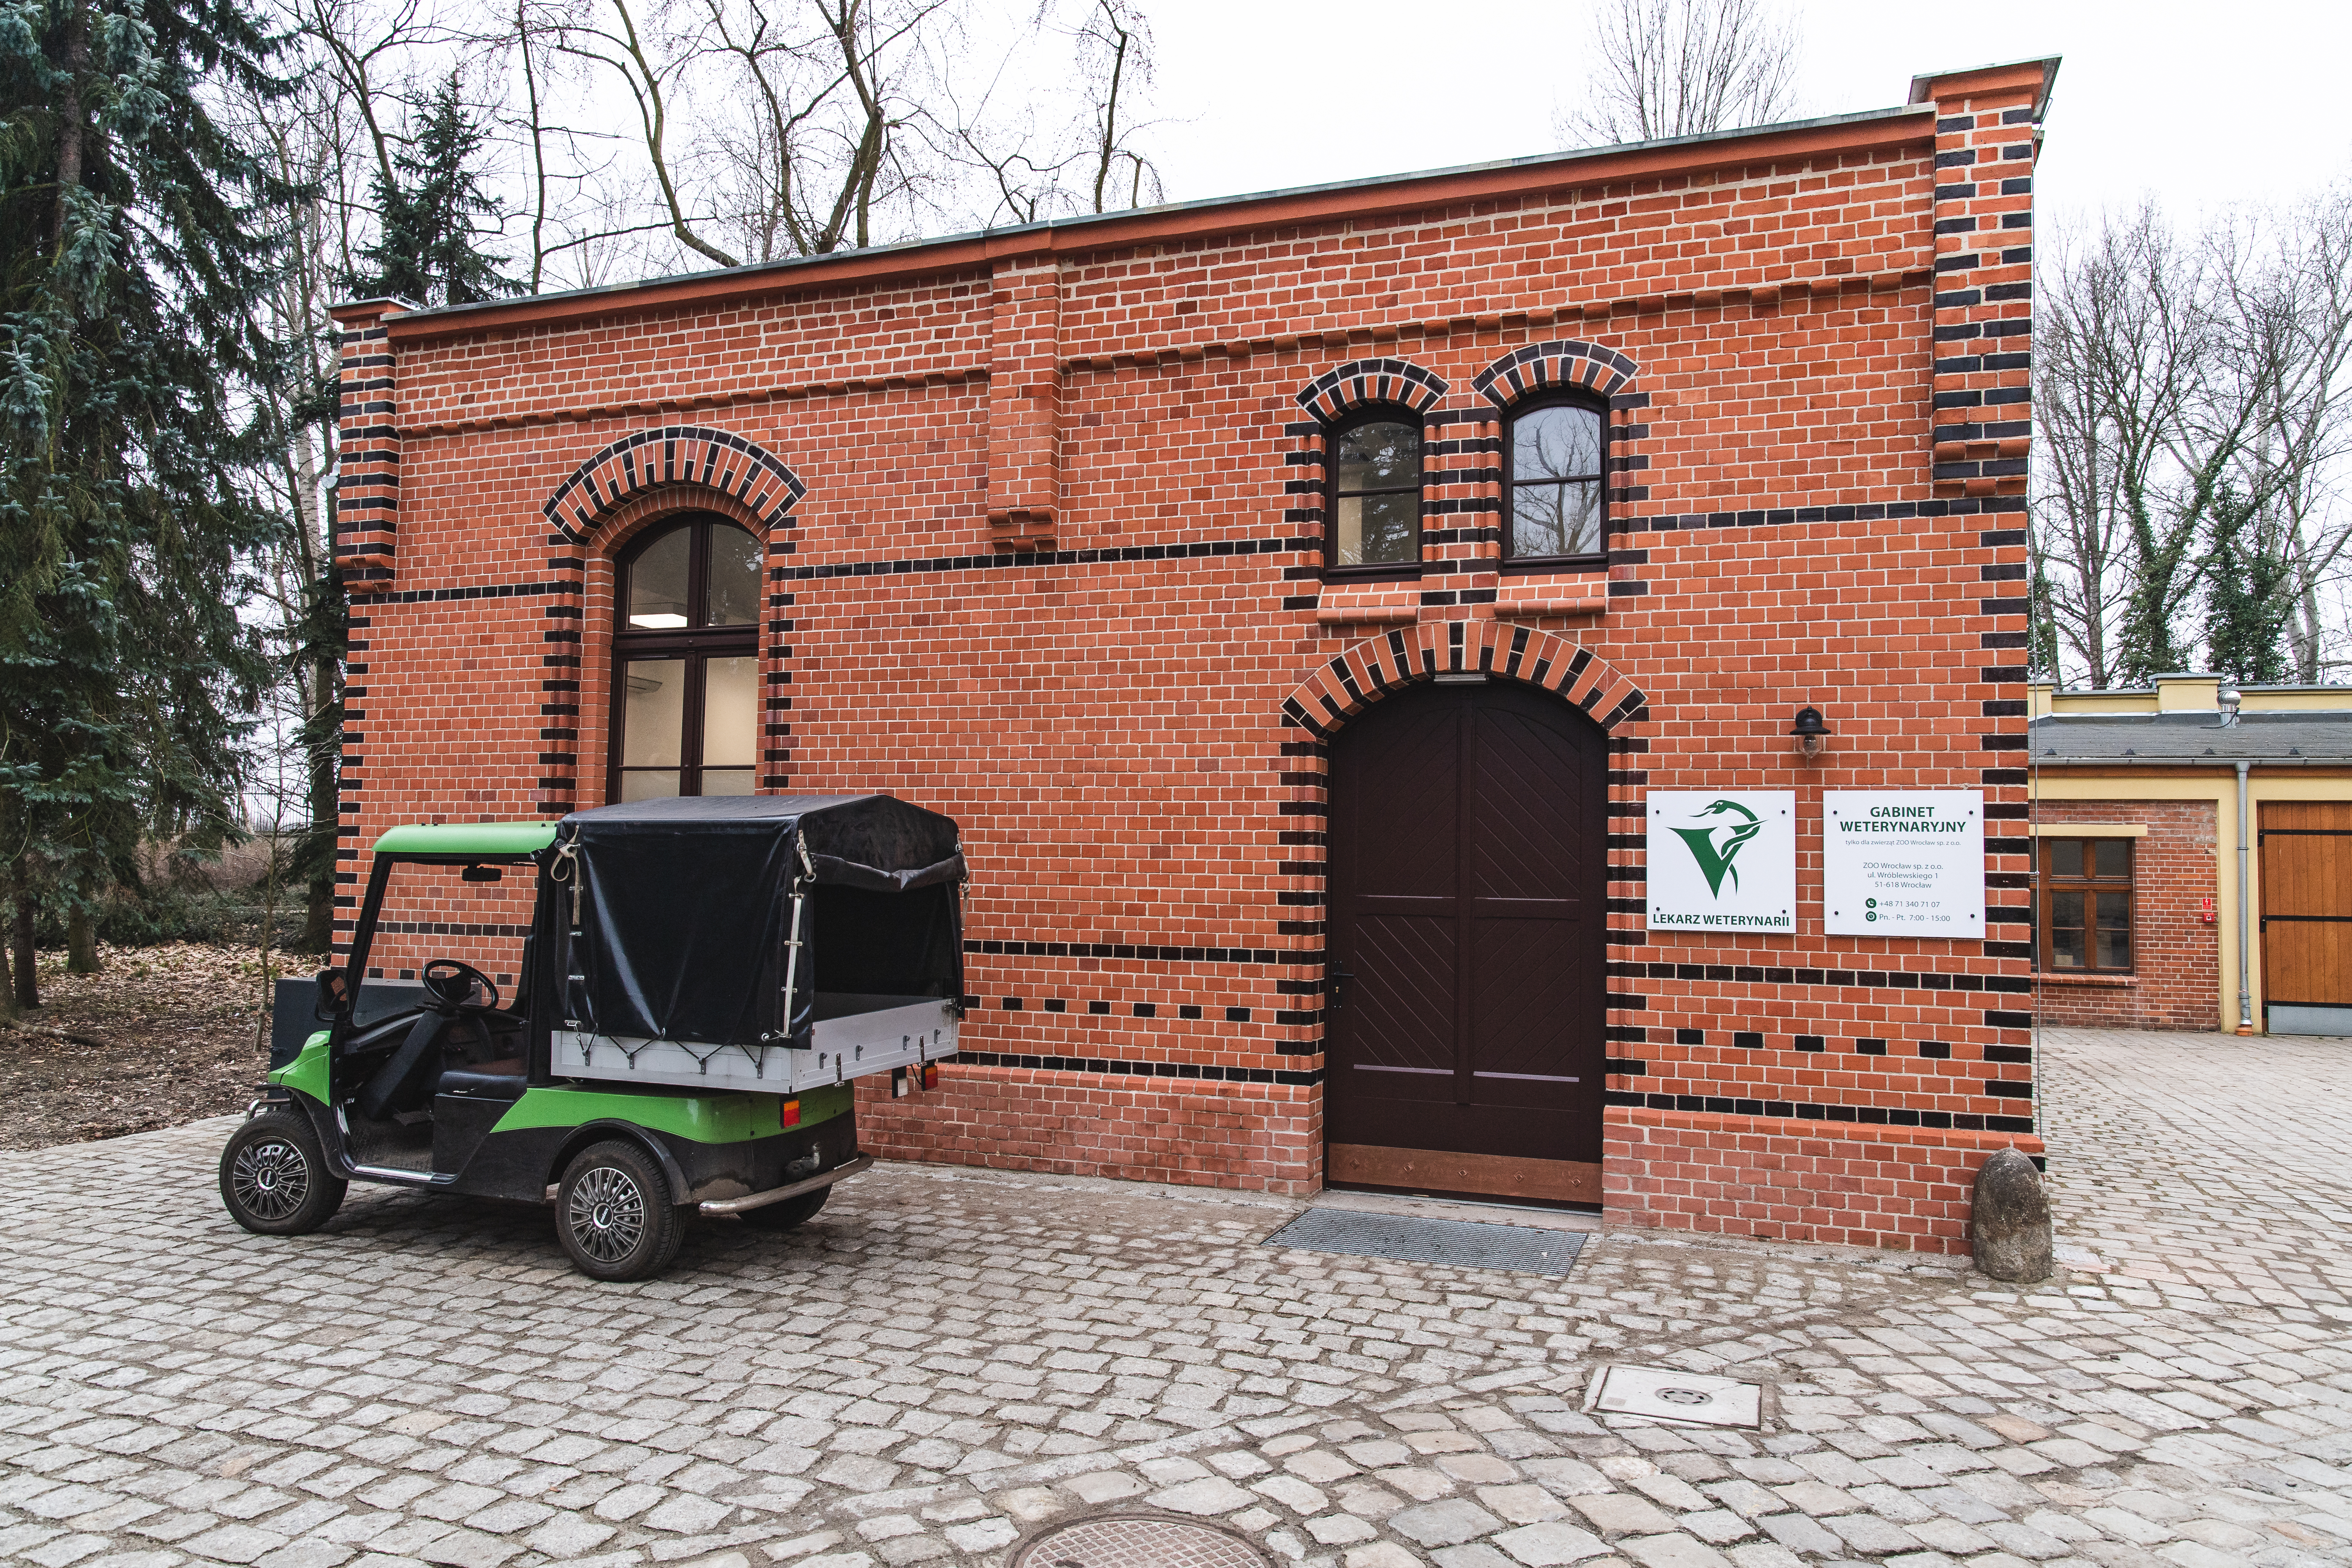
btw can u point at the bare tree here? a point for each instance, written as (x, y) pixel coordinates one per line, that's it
(2193, 399)
(1070, 147)
(1680, 68)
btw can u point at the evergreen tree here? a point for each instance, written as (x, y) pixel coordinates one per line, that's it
(135, 233)
(426, 250)
(2250, 597)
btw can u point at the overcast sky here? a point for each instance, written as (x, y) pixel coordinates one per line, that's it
(2224, 100)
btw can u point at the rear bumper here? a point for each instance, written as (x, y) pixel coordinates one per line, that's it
(778, 1195)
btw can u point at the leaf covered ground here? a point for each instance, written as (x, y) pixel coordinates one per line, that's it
(159, 1036)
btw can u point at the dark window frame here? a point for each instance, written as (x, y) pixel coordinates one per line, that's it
(695, 643)
(1353, 419)
(1598, 556)
(2097, 889)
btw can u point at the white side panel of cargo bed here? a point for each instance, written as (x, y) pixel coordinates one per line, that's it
(852, 1045)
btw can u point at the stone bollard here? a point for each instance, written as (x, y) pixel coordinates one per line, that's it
(2008, 1220)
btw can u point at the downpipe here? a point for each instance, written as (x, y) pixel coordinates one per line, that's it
(2245, 915)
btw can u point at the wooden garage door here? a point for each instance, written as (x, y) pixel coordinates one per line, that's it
(1469, 878)
(2306, 849)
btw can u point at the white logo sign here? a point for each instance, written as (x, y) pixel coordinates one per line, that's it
(1722, 859)
(1903, 862)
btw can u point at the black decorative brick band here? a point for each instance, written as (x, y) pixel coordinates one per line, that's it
(1012, 558)
(1300, 1076)
(479, 591)
(1145, 954)
(1870, 1115)
(1872, 979)
(1367, 381)
(1784, 516)
(437, 928)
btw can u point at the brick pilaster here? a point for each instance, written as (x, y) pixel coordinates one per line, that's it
(1988, 133)
(367, 470)
(1024, 402)
(1988, 130)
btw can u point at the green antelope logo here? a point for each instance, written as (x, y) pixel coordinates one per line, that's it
(1714, 859)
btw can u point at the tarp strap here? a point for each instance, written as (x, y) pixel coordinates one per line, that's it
(566, 870)
(832, 869)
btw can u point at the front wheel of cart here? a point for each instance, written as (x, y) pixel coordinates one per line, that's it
(613, 1215)
(274, 1178)
(790, 1214)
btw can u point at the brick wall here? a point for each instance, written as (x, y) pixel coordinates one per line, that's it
(1045, 551)
(2176, 979)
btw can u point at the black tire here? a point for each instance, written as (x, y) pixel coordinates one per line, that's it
(790, 1214)
(613, 1215)
(274, 1178)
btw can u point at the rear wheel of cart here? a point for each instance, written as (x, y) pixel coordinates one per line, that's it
(790, 1214)
(613, 1215)
(274, 1176)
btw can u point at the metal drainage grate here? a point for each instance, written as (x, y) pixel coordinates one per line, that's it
(1138, 1542)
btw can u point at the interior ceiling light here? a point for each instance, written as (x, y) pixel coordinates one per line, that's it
(659, 623)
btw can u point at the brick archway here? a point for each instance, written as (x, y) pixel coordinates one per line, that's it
(1383, 664)
(1563, 364)
(668, 457)
(631, 482)
(1366, 381)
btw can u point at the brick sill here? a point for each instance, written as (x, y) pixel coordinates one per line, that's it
(2105, 982)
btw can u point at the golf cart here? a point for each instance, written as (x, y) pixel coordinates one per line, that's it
(699, 981)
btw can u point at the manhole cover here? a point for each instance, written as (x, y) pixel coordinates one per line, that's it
(1662, 1392)
(1137, 1543)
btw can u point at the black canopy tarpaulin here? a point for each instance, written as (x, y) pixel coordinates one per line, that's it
(685, 911)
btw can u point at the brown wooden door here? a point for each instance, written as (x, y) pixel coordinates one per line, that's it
(2306, 849)
(1464, 1035)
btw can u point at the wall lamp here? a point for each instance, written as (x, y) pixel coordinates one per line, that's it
(1811, 733)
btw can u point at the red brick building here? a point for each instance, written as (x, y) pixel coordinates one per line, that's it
(1297, 598)
(2193, 853)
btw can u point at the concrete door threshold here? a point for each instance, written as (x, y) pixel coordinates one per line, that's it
(1457, 1208)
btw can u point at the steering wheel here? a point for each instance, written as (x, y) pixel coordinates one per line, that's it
(454, 982)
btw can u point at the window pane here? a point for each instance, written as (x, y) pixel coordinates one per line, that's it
(2066, 931)
(1556, 444)
(653, 713)
(1555, 519)
(727, 781)
(1377, 457)
(2114, 931)
(657, 584)
(1379, 530)
(648, 784)
(731, 714)
(736, 558)
(2063, 856)
(2113, 857)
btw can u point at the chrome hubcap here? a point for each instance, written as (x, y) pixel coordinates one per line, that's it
(607, 1214)
(271, 1178)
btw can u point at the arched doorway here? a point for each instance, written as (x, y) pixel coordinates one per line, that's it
(1465, 1038)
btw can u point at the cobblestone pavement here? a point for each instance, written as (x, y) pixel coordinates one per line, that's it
(944, 1363)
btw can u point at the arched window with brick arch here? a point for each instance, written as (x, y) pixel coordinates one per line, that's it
(686, 661)
(1555, 468)
(1373, 486)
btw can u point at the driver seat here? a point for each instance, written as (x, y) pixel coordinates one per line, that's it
(401, 1082)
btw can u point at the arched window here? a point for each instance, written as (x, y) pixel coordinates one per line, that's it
(1556, 457)
(1373, 484)
(686, 662)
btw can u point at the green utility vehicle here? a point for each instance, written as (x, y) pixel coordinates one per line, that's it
(701, 981)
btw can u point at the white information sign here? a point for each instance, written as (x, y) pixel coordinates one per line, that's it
(1903, 862)
(1723, 860)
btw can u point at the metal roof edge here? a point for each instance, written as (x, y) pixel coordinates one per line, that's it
(782, 269)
